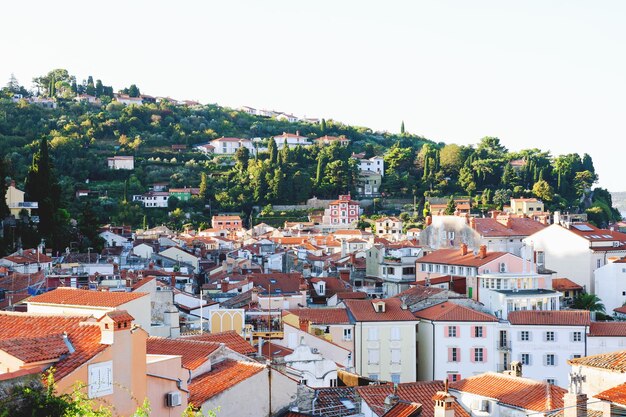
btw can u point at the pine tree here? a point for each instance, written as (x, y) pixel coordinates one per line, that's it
(273, 151)
(41, 186)
(451, 207)
(4, 208)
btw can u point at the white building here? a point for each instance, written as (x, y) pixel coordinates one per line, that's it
(605, 337)
(374, 164)
(543, 342)
(229, 146)
(291, 139)
(153, 199)
(455, 342)
(395, 266)
(576, 251)
(610, 284)
(121, 162)
(384, 340)
(311, 368)
(389, 227)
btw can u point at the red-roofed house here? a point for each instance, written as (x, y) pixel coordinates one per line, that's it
(229, 146)
(576, 251)
(384, 339)
(73, 301)
(455, 342)
(342, 212)
(333, 324)
(543, 341)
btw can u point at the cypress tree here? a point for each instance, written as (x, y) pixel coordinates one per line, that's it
(4, 208)
(273, 151)
(402, 128)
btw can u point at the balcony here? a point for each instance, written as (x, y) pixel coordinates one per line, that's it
(24, 205)
(504, 345)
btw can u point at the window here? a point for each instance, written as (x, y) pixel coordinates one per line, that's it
(454, 377)
(550, 359)
(347, 334)
(395, 356)
(524, 335)
(541, 258)
(525, 358)
(453, 270)
(409, 270)
(576, 356)
(454, 355)
(598, 261)
(373, 356)
(100, 379)
(373, 377)
(550, 337)
(478, 355)
(502, 267)
(551, 381)
(478, 331)
(423, 267)
(395, 378)
(577, 337)
(391, 270)
(395, 333)
(452, 331)
(372, 333)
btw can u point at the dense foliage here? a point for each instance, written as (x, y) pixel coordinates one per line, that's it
(66, 150)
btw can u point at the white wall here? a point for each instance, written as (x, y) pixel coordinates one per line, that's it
(564, 348)
(610, 285)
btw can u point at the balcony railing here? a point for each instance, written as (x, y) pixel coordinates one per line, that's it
(24, 205)
(504, 345)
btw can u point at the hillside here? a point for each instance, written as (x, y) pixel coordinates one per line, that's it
(161, 137)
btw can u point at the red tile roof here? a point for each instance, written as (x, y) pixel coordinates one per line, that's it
(86, 340)
(621, 310)
(519, 226)
(230, 338)
(35, 349)
(448, 311)
(322, 315)
(420, 392)
(74, 296)
(550, 318)
(194, 352)
(141, 282)
(455, 257)
(514, 391)
(355, 295)
(363, 310)
(287, 283)
(614, 361)
(565, 284)
(275, 350)
(615, 395)
(607, 329)
(404, 409)
(222, 377)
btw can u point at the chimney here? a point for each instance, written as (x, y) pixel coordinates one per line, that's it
(429, 220)
(392, 399)
(303, 324)
(574, 401)
(494, 214)
(482, 252)
(472, 222)
(516, 369)
(172, 281)
(444, 403)
(463, 249)
(224, 285)
(344, 276)
(297, 133)
(509, 222)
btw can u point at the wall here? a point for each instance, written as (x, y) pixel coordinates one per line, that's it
(610, 285)
(598, 380)
(168, 367)
(336, 353)
(226, 319)
(256, 403)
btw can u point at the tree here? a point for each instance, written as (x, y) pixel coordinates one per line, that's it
(203, 193)
(323, 126)
(543, 191)
(273, 151)
(583, 182)
(132, 91)
(451, 159)
(450, 208)
(402, 128)
(242, 156)
(4, 208)
(90, 88)
(46, 83)
(42, 187)
(590, 302)
(588, 163)
(501, 197)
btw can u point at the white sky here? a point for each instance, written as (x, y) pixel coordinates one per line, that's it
(547, 74)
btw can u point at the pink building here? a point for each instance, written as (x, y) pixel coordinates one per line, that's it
(342, 211)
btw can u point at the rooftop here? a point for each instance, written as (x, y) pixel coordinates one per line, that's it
(231, 339)
(550, 318)
(607, 329)
(455, 257)
(322, 315)
(614, 361)
(194, 352)
(364, 310)
(448, 311)
(222, 377)
(77, 297)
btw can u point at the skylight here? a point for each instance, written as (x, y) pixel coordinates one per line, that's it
(582, 227)
(347, 403)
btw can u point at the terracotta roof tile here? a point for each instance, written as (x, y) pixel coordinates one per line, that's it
(448, 311)
(230, 338)
(194, 352)
(74, 296)
(455, 257)
(519, 226)
(614, 361)
(565, 284)
(510, 390)
(363, 310)
(222, 377)
(607, 329)
(404, 409)
(35, 349)
(322, 315)
(420, 392)
(615, 395)
(621, 310)
(550, 318)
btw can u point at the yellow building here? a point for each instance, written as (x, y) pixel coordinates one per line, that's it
(15, 201)
(527, 206)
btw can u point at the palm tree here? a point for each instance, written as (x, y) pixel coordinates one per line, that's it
(589, 302)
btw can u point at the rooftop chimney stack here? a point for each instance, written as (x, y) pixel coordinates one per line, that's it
(443, 403)
(463, 249)
(482, 252)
